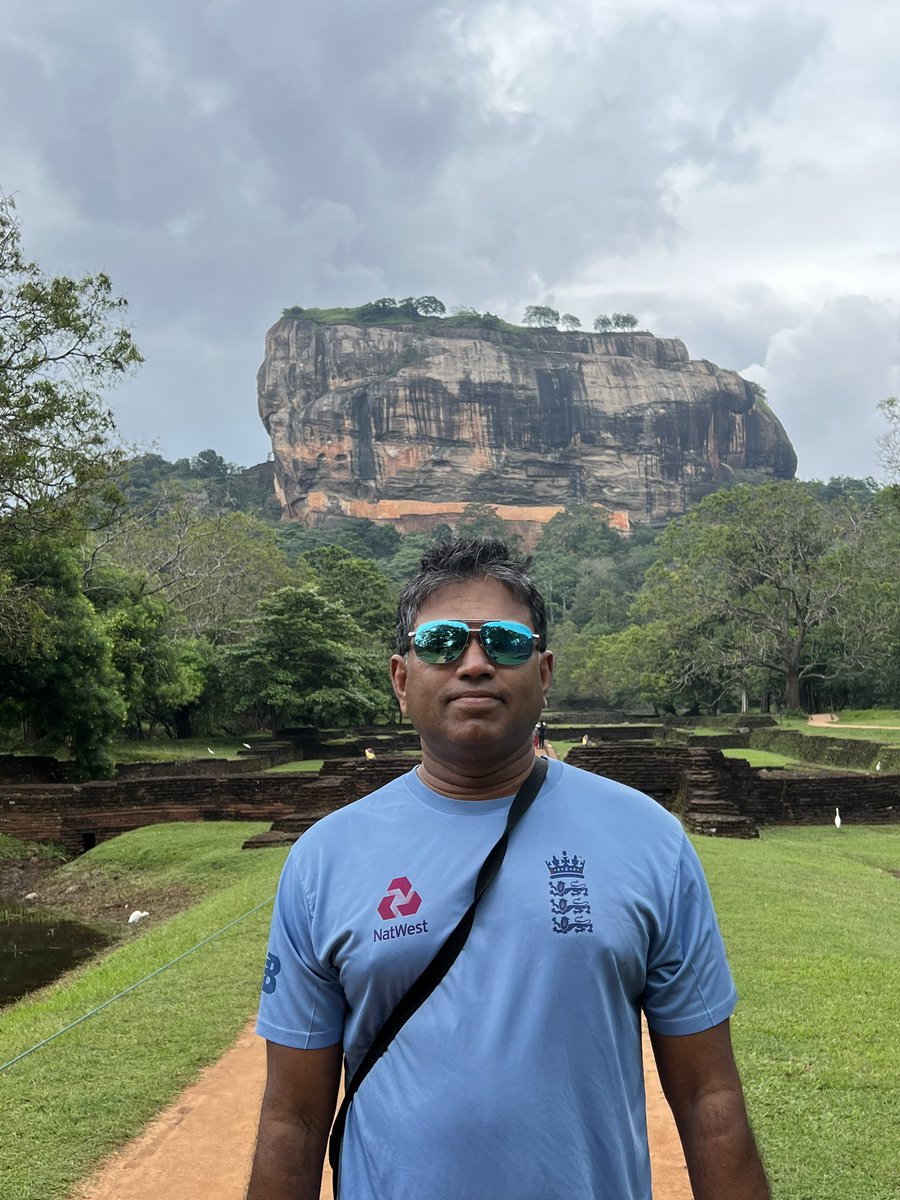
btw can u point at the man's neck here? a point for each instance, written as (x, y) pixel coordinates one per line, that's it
(460, 778)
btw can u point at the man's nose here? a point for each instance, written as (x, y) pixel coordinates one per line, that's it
(473, 660)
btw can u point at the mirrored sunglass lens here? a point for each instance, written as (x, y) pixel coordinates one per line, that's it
(440, 641)
(507, 642)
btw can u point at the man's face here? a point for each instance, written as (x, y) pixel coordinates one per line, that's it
(472, 704)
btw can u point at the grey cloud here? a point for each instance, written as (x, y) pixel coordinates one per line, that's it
(223, 160)
(825, 377)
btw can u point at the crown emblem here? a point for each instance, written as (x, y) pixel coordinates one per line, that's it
(565, 865)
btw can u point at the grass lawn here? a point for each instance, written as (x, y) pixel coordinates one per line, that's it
(852, 724)
(303, 764)
(870, 716)
(11, 847)
(70, 1103)
(767, 758)
(155, 750)
(764, 758)
(174, 750)
(811, 918)
(812, 922)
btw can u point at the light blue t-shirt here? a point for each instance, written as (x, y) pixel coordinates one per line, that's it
(520, 1078)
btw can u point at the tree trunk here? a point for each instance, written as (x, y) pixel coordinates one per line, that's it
(792, 691)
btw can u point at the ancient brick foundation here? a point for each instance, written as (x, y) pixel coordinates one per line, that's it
(78, 816)
(724, 796)
(712, 795)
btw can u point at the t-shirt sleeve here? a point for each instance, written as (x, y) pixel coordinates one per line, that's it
(302, 1003)
(689, 986)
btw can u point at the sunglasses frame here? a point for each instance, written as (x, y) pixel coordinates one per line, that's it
(474, 628)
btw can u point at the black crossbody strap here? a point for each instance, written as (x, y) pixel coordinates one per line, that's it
(422, 987)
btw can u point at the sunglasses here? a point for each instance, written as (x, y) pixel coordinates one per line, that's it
(507, 643)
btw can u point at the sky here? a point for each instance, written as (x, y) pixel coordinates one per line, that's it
(728, 171)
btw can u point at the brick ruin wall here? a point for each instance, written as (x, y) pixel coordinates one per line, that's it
(768, 797)
(81, 815)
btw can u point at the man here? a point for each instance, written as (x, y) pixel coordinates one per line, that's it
(520, 1077)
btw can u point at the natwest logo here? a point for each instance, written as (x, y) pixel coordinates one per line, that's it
(402, 900)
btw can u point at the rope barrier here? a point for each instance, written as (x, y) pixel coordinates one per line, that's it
(212, 937)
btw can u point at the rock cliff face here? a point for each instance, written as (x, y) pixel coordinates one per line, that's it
(411, 423)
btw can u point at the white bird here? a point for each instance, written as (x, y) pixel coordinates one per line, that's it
(837, 818)
(246, 745)
(137, 916)
(878, 766)
(211, 751)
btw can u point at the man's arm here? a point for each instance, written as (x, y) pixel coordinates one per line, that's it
(703, 1088)
(295, 1119)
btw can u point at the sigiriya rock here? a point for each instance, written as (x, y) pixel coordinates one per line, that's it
(411, 422)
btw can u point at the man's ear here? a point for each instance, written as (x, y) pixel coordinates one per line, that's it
(398, 680)
(546, 668)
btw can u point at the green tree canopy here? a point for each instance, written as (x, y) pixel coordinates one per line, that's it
(57, 674)
(541, 315)
(889, 442)
(301, 662)
(365, 592)
(747, 578)
(61, 346)
(212, 569)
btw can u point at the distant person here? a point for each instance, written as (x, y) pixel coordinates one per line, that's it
(520, 1075)
(585, 741)
(542, 733)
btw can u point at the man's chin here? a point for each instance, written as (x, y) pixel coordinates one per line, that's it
(479, 739)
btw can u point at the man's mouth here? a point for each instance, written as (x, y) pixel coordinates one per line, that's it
(475, 699)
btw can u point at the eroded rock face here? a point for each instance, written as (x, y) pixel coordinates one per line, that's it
(411, 423)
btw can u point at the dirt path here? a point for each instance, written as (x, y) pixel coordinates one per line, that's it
(200, 1147)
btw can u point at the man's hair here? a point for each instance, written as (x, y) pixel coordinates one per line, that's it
(469, 558)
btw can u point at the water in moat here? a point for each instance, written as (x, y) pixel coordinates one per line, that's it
(36, 948)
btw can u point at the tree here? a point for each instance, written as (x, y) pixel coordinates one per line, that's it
(160, 673)
(541, 315)
(624, 321)
(429, 306)
(300, 662)
(481, 520)
(889, 443)
(573, 543)
(628, 668)
(749, 579)
(603, 323)
(56, 673)
(569, 321)
(61, 346)
(357, 583)
(212, 570)
(845, 487)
